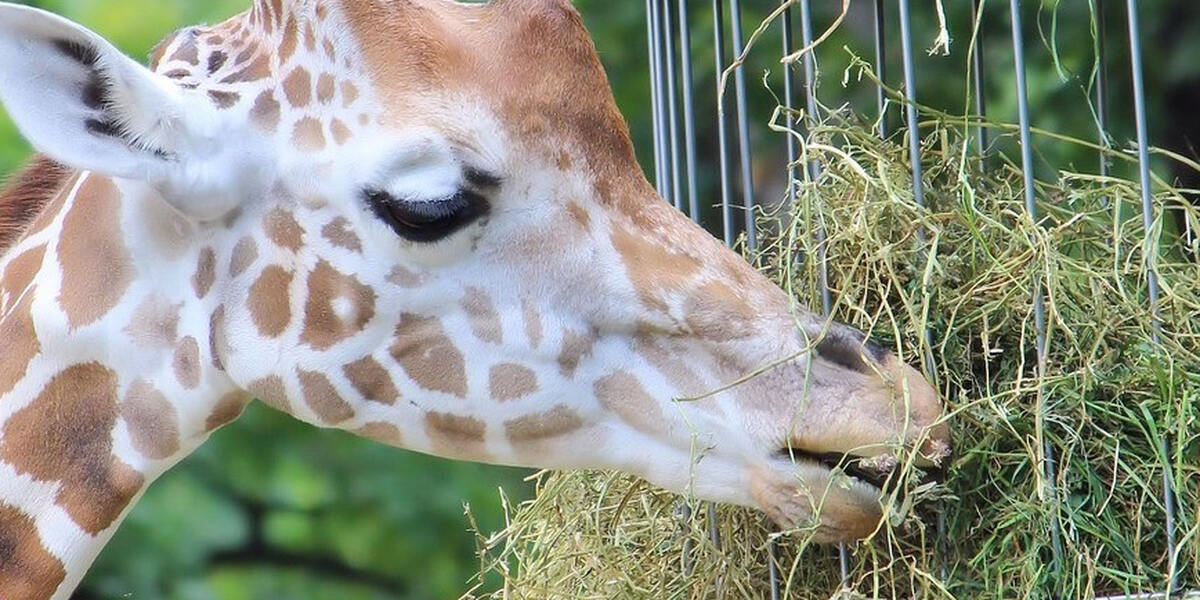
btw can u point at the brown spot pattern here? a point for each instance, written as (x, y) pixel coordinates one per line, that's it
(325, 88)
(152, 421)
(454, 435)
(19, 273)
(21, 344)
(308, 135)
(291, 35)
(382, 432)
(624, 395)
(298, 88)
(27, 569)
(155, 323)
(405, 278)
(96, 266)
(372, 380)
(575, 346)
(224, 99)
(485, 321)
(283, 229)
(508, 381)
(533, 324)
(244, 255)
(206, 273)
(349, 94)
(269, 301)
(218, 346)
(65, 435)
(272, 393)
(653, 269)
(341, 133)
(323, 398)
(323, 327)
(187, 363)
(559, 421)
(429, 357)
(265, 112)
(339, 233)
(227, 410)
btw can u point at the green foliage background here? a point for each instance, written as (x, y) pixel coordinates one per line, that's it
(272, 508)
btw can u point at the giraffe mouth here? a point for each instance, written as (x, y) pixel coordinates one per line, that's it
(876, 471)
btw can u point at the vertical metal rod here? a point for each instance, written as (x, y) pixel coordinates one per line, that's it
(666, 141)
(1039, 307)
(739, 83)
(980, 80)
(723, 125)
(773, 568)
(881, 67)
(789, 103)
(672, 110)
(910, 93)
(656, 98)
(689, 111)
(814, 168)
(1102, 86)
(1151, 254)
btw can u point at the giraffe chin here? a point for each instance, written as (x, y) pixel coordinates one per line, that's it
(806, 495)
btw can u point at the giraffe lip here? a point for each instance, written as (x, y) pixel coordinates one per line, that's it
(873, 471)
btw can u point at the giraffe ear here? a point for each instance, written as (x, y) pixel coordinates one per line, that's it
(82, 102)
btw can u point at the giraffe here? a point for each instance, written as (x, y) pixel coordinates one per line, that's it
(420, 221)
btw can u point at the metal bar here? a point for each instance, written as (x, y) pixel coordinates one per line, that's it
(910, 93)
(655, 100)
(672, 110)
(914, 142)
(1151, 253)
(1039, 308)
(1102, 86)
(881, 67)
(773, 568)
(789, 95)
(980, 79)
(723, 125)
(814, 168)
(666, 142)
(739, 84)
(689, 111)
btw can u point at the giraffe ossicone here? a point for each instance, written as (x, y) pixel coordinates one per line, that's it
(417, 220)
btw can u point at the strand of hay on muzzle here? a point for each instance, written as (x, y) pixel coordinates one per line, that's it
(965, 269)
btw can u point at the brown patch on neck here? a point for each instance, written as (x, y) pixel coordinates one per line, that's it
(228, 409)
(27, 569)
(18, 275)
(97, 267)
(26, 196)
(153, 424)
(66, 436)
(21, 344)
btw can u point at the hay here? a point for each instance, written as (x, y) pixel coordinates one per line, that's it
(965, 270)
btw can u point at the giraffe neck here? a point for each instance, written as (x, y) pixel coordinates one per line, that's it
(108, 377)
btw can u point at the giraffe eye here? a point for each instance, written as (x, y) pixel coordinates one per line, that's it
(427, 221)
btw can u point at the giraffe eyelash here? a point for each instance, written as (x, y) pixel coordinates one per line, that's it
(427, 221)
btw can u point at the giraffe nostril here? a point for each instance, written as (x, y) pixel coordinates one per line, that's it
(850, 348)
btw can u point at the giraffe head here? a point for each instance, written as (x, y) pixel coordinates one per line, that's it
(422, 220)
